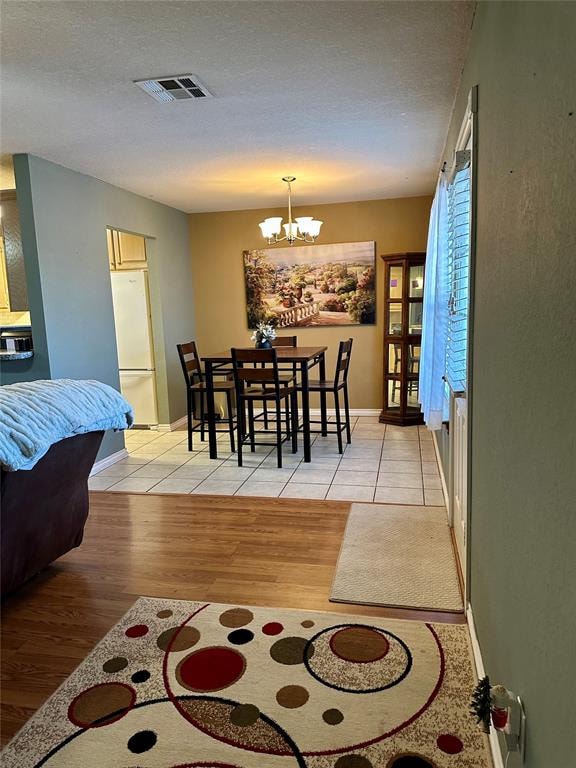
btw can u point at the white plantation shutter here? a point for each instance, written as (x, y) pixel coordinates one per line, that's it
(458, 245)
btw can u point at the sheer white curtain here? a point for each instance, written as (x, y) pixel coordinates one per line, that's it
(435, 314)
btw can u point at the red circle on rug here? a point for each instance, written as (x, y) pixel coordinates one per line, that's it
(138, 630)
(210, 669)
(272, 628)
(449, 744)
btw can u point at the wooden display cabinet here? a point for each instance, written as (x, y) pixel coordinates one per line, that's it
(403, 306)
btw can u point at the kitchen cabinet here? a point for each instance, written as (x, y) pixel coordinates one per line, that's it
(125, 250)
(403, 306)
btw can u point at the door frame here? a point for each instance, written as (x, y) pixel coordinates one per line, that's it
(467, 138)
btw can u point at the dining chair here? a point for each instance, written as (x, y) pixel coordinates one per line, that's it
(335, 385)
(195, 385)
(285, 341)
(413, 365)
(264, 383)
(279, 341)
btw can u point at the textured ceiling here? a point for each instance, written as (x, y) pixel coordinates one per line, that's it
(353, 98)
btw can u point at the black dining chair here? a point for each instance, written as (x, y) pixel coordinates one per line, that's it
(266, 384)
(336, 385)
(196, 386)
(279, 341)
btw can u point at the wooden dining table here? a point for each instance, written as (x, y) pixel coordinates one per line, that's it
(303, 357)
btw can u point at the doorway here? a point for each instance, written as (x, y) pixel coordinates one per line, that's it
(133, 324)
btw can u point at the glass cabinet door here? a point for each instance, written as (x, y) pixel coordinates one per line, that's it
(404, 305)
(395, 281)
(416, 281)
(415, 310)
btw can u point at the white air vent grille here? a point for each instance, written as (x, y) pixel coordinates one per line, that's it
(174, 88)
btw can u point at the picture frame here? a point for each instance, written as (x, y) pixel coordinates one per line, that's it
(313, 285)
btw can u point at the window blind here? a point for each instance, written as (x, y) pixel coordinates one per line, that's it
(458, 262)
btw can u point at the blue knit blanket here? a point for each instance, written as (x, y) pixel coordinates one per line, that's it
(36, 414)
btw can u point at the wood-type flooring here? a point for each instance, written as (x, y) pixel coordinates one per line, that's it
(268, 552)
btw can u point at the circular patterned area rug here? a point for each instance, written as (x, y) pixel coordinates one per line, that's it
(183, 685)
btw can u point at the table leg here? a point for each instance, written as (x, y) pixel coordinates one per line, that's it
(305, 411)
(323, 415)
(210, 408)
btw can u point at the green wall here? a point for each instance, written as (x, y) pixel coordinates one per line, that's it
(523, 489)
(64, 216)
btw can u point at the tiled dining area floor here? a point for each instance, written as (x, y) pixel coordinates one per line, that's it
(384, 463)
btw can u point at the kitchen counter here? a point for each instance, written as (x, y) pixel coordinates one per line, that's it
(10, 354)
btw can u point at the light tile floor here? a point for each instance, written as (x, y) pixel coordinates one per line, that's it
(384, 463)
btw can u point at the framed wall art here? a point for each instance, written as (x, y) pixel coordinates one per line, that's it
(311, 285)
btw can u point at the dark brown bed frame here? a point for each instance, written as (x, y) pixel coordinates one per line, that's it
(43, 510)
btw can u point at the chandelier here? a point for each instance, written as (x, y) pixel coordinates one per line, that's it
(303, 228)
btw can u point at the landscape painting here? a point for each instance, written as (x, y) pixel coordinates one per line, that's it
(311, 285)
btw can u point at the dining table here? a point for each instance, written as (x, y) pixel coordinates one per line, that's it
(303, 358)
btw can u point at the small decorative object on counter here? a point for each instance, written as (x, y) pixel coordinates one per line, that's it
(264, 335)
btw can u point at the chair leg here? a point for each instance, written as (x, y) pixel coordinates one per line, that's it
(251, 425)
(287, 401)
(278, 432)
(202, 423)
(347, 414)
(338, 422)
(294, 412)
(230, 419)
(265, 410)
(240, 427)
(189, 399)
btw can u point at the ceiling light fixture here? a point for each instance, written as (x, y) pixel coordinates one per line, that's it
(303, 228)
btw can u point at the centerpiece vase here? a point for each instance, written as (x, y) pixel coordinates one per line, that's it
(264, 344)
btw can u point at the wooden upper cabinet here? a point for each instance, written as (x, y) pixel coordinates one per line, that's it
(126, 251)
(111, 255)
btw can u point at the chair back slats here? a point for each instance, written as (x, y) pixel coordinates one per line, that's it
(265, 370)
(254, 355)
(256, 375)
(285, 341)
(343, 361)
(190, 362)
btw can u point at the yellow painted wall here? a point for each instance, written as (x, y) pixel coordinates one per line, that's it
(217, 242)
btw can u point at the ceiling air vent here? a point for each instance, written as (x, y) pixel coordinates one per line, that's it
(174, 88)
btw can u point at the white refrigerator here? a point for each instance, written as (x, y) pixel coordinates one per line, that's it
(132, 318)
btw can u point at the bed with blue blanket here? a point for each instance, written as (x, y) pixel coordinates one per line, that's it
(50, 433)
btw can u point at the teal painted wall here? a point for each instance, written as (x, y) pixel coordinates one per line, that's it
(522, 413)
(64, 218)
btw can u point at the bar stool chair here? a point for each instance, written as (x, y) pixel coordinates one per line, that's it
(195, 385)
(335, 385)
(264, 383)
(279, 341)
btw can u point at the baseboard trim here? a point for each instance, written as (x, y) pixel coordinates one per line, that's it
(480, 671)
(108, 461)
(174, 425)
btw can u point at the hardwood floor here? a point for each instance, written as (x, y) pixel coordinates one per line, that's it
(270, 552)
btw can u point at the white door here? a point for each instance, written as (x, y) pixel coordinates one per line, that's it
(132, 320)
(460, 477)
(139, 388)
